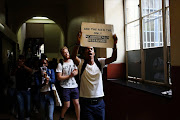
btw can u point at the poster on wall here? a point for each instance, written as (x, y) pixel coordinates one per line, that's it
(97, 35)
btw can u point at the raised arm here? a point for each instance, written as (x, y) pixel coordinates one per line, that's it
(76, 49)
(114, 54)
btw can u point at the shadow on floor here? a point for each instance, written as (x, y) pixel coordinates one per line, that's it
(70, 115)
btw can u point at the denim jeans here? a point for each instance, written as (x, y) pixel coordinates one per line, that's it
(46, 106)
(24, 104)
(92, 112)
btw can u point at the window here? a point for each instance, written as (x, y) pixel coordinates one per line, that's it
(147, 38)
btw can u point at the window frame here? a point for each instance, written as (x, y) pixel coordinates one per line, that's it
(165, 49)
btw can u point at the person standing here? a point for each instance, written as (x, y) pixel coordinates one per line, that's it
(91, 85)
(22, 74)
(46, 79)
(65, 73)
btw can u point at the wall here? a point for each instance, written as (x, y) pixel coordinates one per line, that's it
(21, 36)
(53, 41)
(113, 10)
(175, 56)
(83, 11)
(35, 30)
(2, 12)
(174, 32)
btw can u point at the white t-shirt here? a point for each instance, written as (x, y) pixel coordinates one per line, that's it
(91, 85)
(66, 69)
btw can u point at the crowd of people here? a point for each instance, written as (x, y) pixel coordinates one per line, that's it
(36, 79)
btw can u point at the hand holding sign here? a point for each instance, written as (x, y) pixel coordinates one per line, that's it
(96, 35)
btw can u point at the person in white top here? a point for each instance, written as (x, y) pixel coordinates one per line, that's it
(65, 73)
(91, 85)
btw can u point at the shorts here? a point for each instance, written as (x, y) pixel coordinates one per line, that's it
(70, 93)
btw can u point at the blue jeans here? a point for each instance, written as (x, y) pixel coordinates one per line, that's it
(92, 112)
(24, 103)
(46, 106)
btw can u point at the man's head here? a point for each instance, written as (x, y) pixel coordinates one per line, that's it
(21, 59)
(44, 62)
(89, 53)
(65, 52)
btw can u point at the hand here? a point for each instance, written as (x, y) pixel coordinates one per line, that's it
(79, 37)
(115, 40)
(47, 80)
(73, 73)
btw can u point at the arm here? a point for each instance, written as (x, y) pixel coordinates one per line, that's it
(21, 64)
(62, 77)
(76, 49)
(28, 69)
(114, 54)
(52, 76)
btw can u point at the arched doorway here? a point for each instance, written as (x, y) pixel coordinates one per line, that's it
(37, 32)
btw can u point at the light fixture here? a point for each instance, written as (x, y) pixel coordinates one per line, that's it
(44, 18)
(1, 26)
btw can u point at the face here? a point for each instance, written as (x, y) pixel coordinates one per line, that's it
(65, 54)
(21, 61)
(89, 53)
(45, 63)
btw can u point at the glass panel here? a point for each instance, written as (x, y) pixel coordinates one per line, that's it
(134, 64)
(154, 64)
(132, 36)
(153, 30)
(167, 3)
(168, 27)
(132, 10)
(149, 6)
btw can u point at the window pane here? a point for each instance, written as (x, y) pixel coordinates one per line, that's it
(134, 64)
(132, 38)
(154, 64)
(167, 3)
(132, 10)
(168, 27)
(153, 30)
(149, 6)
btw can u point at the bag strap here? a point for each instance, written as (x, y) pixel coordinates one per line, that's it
(98, 64)
(83, 67)
(85, 63)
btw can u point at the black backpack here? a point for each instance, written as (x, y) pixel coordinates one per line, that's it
(85, 63)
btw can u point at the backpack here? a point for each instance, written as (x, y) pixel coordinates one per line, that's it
(85, 63)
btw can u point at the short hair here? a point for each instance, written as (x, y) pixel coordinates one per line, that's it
(62, 49)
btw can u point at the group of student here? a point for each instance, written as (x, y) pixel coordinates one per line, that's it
(87, 98)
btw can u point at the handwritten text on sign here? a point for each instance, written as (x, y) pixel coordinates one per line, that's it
(97, 35)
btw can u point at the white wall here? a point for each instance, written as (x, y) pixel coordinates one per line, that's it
(113, 12)
(21, 37)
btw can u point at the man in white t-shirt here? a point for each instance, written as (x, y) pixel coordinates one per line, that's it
(65, 73)
(91, 85)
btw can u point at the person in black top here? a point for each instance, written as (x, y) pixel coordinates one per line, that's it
(22, 74)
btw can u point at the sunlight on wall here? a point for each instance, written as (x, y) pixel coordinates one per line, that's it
(113, 10)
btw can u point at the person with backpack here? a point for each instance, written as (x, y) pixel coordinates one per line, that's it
(66, 72)
(91, 86)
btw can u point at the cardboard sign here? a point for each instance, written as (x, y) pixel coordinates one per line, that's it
(97, 35)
